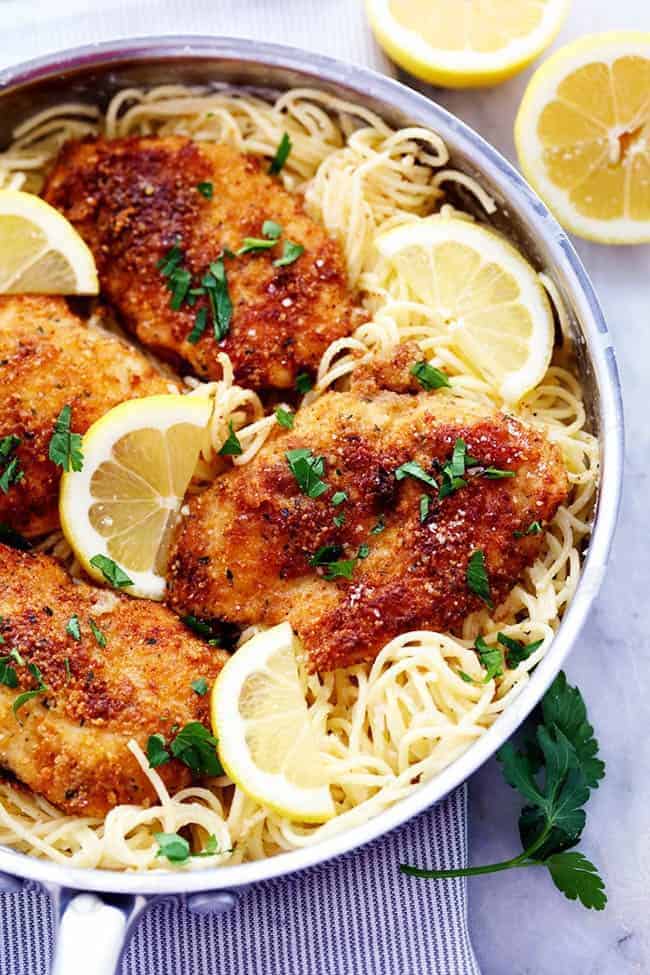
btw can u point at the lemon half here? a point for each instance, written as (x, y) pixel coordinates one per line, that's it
(138, 460)
(488, 298)
(267, 744)
(466, 43)
(40, 251)
(583, 136)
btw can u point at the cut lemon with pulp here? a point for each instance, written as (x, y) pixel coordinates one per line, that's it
(138, 460)
(467, 43)
(583, 136)
(40, 251)
(489, 300)
(266, 742)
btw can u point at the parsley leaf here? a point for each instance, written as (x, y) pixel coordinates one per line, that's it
(364, 551)
(428, 376)
(174, 847)
(284, 418)
(339, 497)
(97, 633)
(491, 658)
(412, 469)
(517, 651)
(339, 520)
(205, 628)
(215, 283)
(157, 753)
(111, 571)
(254, 245)
(307, 470)
(28, 695)
(325, 555)
(290, 253)
(303, 383)
(281, 154)
(231, 446)
(425, 503)
(495, 474)
(199, 327)
(12, 472)
(477, 577)
(65, 447)
(8, 675)
(554, 818)
(170, 261)
(379, 527)
(577, 878)
(72, 628)
(205, 189)
(271, 229)
(196, 748)
(200, 686)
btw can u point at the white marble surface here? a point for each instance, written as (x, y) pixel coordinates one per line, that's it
(520, 924)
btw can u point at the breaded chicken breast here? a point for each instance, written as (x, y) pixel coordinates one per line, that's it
(131, 678)
(400, 511)
(134, 199)
(49, 359)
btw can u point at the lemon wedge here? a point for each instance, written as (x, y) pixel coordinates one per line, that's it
(491, 305)
(267, 744)
(119, 510)
(465, 44)
(583, 136)
(40, 251)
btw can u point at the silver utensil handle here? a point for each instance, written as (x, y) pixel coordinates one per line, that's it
(92, 930)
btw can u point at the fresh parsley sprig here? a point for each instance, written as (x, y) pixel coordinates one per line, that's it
(554, 770)
(11, 471)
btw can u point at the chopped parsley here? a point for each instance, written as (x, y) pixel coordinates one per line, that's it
(215, 283)
(343, 570)
(325, 555)
(425, 505)
(12, 473)
(290, 253)
(303, 383)
(307, 470)
(339, 497)
(65, 447)
(111, 571)
(205, 189)
(72, 628)
(66, 666)
(202, 627)
(454, 471)
(97, 633)
(157, 753)
(200, 686)
(179, 284)
(428, 376)
(271, 229)
(517, 651)
(171, 260)
(491, 658)
(412, 469)
(174, 847)
(281, 154)
(379, 527)
(28, 695)
(285, 418)
(231, 446)
(199, 327)
(535, 528)
(196, 748)
(364, 551)
(339, 520)
(495, 474)
(477, 577)
(8, 675)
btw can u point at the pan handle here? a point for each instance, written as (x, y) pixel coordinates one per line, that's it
(93, 930)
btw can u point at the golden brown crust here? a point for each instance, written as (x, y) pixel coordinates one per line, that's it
(132, 199)
(50, 358)
(70, 743)
(242, 554)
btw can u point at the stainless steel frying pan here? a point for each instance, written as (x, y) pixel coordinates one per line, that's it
(94, 925)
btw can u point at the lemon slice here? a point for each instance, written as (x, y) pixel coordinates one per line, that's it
(40, 251)
(488, 298)
(267, 744)
(467, 43)
(138, 460)
(583, 136)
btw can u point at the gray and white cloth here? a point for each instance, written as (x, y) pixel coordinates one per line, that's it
(356, 915)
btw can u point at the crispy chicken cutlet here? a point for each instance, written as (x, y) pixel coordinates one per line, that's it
(380, 512)
(50, 359)
(109, 668)
(158, 212)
